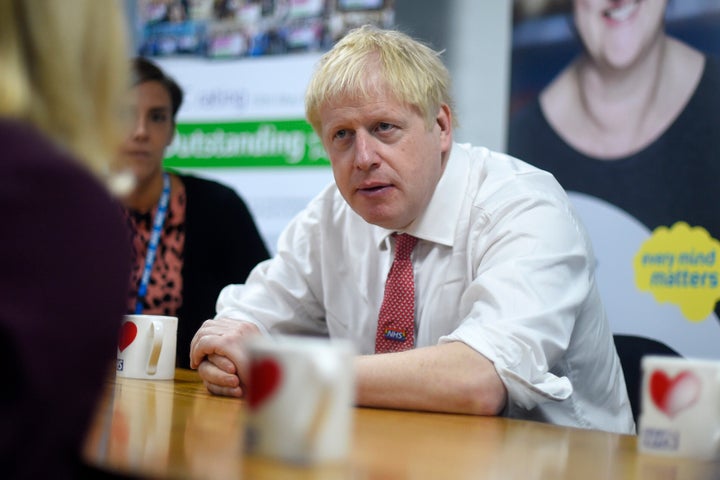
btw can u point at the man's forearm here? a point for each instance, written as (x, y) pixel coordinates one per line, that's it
(446, 378)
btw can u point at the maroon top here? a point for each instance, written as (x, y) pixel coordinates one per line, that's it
(64, 265)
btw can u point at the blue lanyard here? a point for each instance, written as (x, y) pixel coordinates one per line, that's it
(158, 222)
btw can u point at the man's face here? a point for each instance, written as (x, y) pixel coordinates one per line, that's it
(153, 131)
(385, 161)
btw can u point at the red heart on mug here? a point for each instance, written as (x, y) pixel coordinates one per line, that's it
(265, 376)
(128, 332)
(673, 395)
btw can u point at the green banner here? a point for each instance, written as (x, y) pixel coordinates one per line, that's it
(284, 143)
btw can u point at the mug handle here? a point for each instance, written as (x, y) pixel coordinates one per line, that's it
(327, 376)
(156, 340)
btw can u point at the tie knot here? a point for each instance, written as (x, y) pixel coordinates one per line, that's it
(404, 245)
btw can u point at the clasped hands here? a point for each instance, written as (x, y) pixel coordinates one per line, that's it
(218, 353)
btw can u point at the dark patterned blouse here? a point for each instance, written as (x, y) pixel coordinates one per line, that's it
(164, 289)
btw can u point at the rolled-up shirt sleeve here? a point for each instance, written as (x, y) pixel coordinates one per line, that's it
(532, 265)
(282, 294)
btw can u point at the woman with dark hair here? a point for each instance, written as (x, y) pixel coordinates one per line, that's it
(207, 236)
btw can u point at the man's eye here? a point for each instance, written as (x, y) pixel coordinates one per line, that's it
(384, 126)
(341, 134)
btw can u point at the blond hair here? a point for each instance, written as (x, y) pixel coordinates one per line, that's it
(411, 70)
(65, 70)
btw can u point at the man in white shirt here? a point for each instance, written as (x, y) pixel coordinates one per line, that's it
(508, 319)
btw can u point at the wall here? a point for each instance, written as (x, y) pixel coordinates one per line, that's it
(476, 36)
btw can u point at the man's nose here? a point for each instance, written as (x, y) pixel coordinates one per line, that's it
(365, 152)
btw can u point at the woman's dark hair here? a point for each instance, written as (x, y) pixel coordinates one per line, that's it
(144, 70)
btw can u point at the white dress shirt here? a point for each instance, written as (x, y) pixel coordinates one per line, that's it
(502, 265)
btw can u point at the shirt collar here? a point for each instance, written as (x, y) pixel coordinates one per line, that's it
(437, 223)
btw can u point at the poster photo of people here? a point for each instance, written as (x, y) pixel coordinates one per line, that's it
(240, 28)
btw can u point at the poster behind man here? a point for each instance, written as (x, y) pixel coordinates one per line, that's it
(244, 65)
(650, 210)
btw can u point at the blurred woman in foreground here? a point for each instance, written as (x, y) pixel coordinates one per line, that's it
(64, 251)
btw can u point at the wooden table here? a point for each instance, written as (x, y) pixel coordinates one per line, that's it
(176, 429)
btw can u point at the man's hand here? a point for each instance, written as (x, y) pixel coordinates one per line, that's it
(217, 352)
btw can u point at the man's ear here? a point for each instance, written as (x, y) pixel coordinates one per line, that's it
(444, 121)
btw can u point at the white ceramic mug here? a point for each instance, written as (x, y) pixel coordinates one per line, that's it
(680, 414)
(301, 392)
(147, 346)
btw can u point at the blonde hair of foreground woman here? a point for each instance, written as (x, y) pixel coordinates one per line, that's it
(64, 70)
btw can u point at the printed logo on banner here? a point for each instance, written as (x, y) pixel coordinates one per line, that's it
(680, 265)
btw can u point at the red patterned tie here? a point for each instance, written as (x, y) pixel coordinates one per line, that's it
(396, 322)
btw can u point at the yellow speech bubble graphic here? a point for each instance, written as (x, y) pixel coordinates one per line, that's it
(680, 265)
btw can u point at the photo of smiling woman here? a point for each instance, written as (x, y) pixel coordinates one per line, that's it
(629, 126)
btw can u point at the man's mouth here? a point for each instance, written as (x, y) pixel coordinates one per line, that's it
(622, 12)
(373, 187)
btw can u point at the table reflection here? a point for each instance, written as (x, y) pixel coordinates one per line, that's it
(209, 450)
(176, 429)
(137, 420)
(146, 427)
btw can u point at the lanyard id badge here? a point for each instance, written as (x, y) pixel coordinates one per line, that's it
(157, 227)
